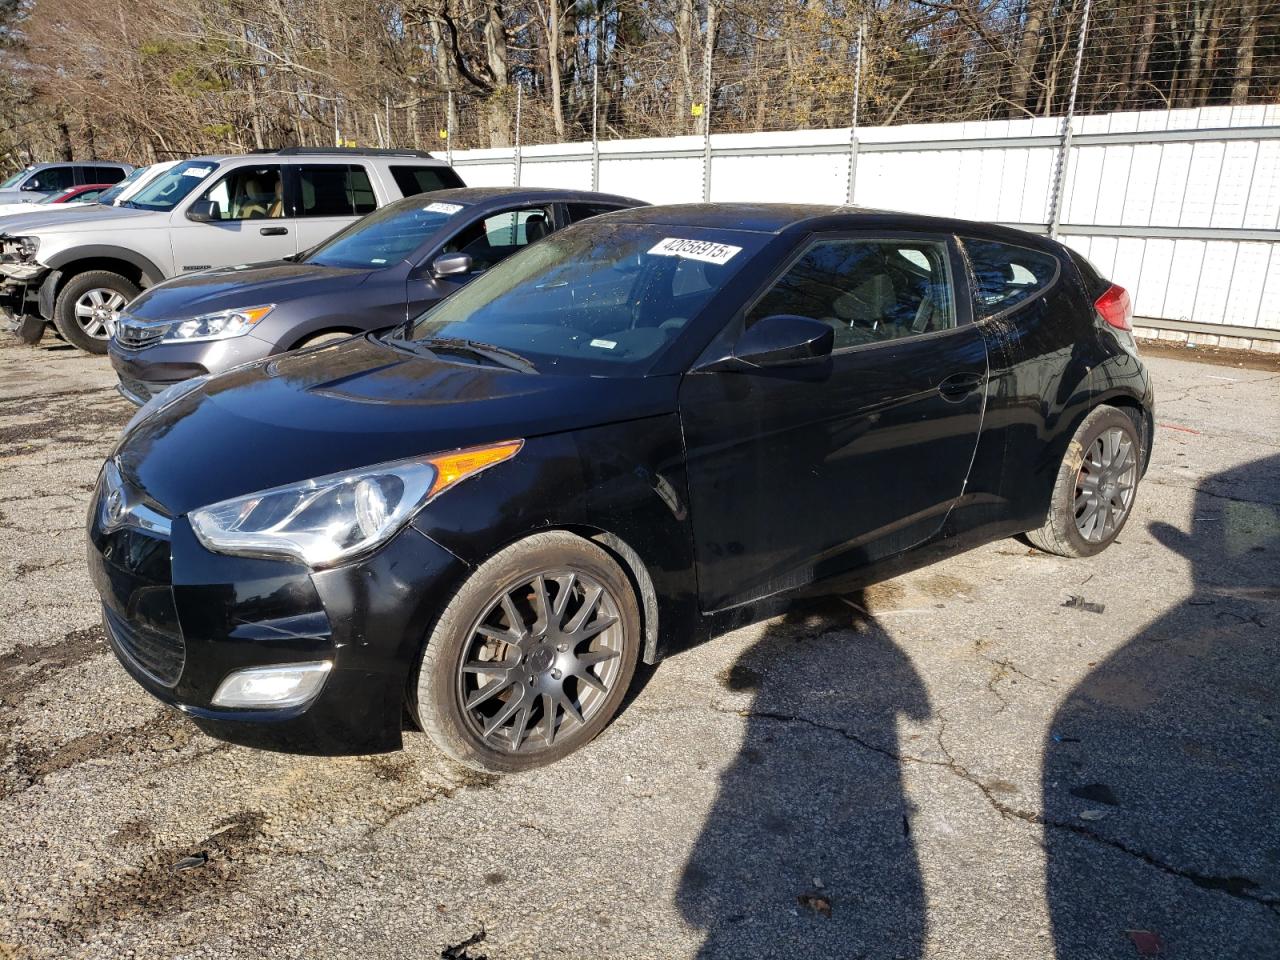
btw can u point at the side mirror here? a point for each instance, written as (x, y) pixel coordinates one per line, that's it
(31, 185)
(784, 340)
(451, 265)
(204, 211)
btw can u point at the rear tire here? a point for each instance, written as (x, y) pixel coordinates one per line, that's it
(85, 303)
(509, 678)
(1096, 486)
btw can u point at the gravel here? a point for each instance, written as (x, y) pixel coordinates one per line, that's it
(951, 764)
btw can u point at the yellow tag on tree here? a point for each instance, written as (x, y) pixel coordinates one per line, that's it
(444, 134)
(696, 110)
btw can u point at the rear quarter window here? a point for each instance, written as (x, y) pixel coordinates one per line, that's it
(415, 180)
(1006, 275)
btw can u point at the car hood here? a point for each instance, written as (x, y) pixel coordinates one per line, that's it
(356, 404)
(19, 196)
(245, 286)
(90, 216)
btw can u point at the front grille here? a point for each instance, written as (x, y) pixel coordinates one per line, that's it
(159, 653)
(130, 333)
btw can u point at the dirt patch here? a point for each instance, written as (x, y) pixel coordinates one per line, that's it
(168, 879)
(29, 665)
(941, 586)
(1244, 359)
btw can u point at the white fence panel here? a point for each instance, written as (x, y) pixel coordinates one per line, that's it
(1181, 207)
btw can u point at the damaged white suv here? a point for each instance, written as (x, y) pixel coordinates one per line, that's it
(77, 272)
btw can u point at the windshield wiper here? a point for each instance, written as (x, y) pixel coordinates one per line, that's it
(432, 346)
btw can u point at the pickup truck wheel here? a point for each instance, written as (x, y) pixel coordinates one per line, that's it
(86, 305)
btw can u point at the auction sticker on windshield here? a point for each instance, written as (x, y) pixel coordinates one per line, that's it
(197, 171)
(446, 208)
(704, 250)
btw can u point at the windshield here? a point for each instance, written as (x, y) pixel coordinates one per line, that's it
(385, 236)
(168, 190)
(13, 180)
(596, 298)
(109, 196)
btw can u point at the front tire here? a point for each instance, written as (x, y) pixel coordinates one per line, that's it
(532, 657)
(1095, 488)
(85, 304)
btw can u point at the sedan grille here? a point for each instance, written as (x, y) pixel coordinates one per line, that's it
(160, 654)
(132, 333)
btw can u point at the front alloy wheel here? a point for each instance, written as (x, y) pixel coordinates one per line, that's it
(532, 657)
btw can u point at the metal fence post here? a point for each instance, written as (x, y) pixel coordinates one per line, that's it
(1064, 145)
(595, 140)
(516, 154)
(706, 131)
(448, 130)
(853, 128)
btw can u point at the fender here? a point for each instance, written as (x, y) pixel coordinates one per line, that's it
(151, 274)
(621, 484)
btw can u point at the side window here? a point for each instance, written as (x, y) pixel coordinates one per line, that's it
(248, 193)
(498, 236)
(870, 291)
(335, 190)
(580, 211)
(1005, 275)
(413, 180)
(52, 179)
(103, 175)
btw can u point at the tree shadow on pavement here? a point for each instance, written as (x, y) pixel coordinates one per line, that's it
(806, 852)
(1162, 767)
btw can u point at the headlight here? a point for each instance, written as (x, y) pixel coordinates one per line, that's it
(217, 326)
(328, 519)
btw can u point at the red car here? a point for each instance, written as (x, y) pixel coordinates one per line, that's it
(80, 194)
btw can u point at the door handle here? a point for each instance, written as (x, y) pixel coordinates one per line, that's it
(959, 385)
(274, 231)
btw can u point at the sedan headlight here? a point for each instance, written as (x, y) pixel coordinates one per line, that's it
(217, 326)
(328, 519)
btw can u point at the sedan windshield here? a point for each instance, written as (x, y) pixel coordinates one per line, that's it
(386, 236)
(109, 196)
(13, 180)
(168, 190)
(599, 298)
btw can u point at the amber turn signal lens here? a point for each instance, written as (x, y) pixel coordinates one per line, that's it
(460, 464)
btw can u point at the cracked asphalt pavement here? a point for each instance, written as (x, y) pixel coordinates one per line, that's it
(964, 762)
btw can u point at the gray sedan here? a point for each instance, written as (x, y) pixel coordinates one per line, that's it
(378, 272)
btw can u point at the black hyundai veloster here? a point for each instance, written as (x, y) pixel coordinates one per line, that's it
(650, 427)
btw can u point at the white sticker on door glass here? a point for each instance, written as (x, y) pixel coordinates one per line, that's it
(705, 250)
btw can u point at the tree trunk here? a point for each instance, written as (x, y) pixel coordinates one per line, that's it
(1244, 62)
(1028, 54)
(65, 151)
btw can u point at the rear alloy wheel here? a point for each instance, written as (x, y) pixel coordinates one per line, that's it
(87, 305)
(532, 657)
(1094, 492)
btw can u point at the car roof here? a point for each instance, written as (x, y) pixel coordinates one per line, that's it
(785, 218)
(504, 195)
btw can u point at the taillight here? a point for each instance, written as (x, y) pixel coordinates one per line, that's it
(1115, 308)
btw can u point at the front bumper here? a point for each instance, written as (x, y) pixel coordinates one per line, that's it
(146, 371)
(180, 619)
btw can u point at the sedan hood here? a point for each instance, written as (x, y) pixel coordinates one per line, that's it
(245, 286)
(356, 404)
